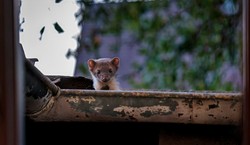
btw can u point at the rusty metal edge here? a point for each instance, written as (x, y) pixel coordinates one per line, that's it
(149, 93)
(142, 106)
(54, 89)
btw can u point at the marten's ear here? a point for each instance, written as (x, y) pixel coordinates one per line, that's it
(91, 64)
(115, 61)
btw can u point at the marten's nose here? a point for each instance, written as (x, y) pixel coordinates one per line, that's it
(105, 79)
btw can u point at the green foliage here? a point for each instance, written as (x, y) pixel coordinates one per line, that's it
(185, 43)
(84, 69)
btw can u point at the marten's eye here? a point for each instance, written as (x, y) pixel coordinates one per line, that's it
(98, 72)
(110, 71)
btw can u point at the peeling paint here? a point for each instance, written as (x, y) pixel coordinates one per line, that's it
(73, 100)
(98, 109)
(88, 106)
(143, 111)
(88, 99)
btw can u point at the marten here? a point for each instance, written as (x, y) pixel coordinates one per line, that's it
(103, 72)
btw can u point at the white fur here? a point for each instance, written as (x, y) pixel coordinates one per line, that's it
(113, 84)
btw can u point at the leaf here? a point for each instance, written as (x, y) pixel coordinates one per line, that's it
(58, 28)
(41, 32)
(58, 1)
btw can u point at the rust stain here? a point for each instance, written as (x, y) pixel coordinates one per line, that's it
(180, 114)
(213, 106)
(234, 102)
(199, 102)
(188, 102)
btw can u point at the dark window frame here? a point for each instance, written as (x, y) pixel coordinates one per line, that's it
(11, 124)
(11, 79)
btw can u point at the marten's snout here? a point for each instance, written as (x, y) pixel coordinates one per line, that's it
(105, 78)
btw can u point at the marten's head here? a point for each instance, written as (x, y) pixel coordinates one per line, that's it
(103, 69)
